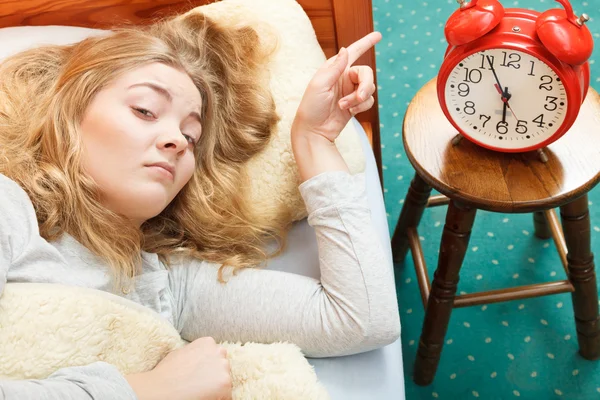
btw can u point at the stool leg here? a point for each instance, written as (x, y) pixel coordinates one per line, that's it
(455, 240)
(576, 225)
(540, 224)
(410, 216)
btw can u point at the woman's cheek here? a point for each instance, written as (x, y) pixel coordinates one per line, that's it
(188, 167)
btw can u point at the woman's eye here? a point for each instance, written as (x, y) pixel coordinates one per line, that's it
(190, 139)
(144, 112)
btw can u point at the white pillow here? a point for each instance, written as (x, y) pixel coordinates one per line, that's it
(274, 173)
(20, 38)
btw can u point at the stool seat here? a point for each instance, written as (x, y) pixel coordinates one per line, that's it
(502, 182)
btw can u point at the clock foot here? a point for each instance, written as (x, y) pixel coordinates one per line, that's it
(457, 139)
(542, 155)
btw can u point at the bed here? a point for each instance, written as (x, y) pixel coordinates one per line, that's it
(374, 375)
(337, 23)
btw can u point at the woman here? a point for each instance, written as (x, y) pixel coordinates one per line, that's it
(120, 167)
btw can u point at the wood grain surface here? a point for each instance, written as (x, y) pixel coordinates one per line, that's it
(104, 14)
(354, 19)
(497, 181)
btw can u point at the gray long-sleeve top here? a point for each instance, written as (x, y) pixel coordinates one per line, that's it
(351, 309)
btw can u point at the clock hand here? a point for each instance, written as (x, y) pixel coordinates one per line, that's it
(499, 90)
(504, 94)
(506, 99)
(512, 111)
(506, 105)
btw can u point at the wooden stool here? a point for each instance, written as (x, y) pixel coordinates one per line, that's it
(470, 178)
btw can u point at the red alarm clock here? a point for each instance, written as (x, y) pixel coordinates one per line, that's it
(514, 80)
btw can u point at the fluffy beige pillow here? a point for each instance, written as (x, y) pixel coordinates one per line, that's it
(45, 327)
(274, 174)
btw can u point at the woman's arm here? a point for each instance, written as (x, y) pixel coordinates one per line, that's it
(19, 235)
(97, 381)
(353, 308)
(16, 223)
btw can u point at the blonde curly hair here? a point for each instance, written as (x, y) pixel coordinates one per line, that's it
(46, 92)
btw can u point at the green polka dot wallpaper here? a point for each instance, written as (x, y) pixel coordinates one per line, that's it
(524, 349)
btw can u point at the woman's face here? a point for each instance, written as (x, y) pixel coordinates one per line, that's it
(139, 134)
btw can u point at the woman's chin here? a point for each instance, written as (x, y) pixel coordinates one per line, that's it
(151, 201)
(139, 200)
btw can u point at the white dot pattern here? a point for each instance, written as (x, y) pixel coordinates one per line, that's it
(526, 348)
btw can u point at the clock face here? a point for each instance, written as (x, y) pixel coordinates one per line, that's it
(506, 99)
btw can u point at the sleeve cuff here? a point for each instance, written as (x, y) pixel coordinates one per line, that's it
(333, 188)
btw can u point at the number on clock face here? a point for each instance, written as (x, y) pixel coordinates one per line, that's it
(535, 108)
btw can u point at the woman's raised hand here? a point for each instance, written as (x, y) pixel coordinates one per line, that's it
(337, 92)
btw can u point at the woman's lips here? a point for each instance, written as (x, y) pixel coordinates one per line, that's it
(163, 170)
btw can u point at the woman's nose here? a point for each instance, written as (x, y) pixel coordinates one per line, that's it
(174, 140)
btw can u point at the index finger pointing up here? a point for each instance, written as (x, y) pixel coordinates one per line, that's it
(361, 46)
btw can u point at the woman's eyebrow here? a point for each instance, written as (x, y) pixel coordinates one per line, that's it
(166, 93)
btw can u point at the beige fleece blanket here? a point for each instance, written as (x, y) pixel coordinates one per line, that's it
(45, 327)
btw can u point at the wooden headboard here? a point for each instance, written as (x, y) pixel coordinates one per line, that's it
(337, 23)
